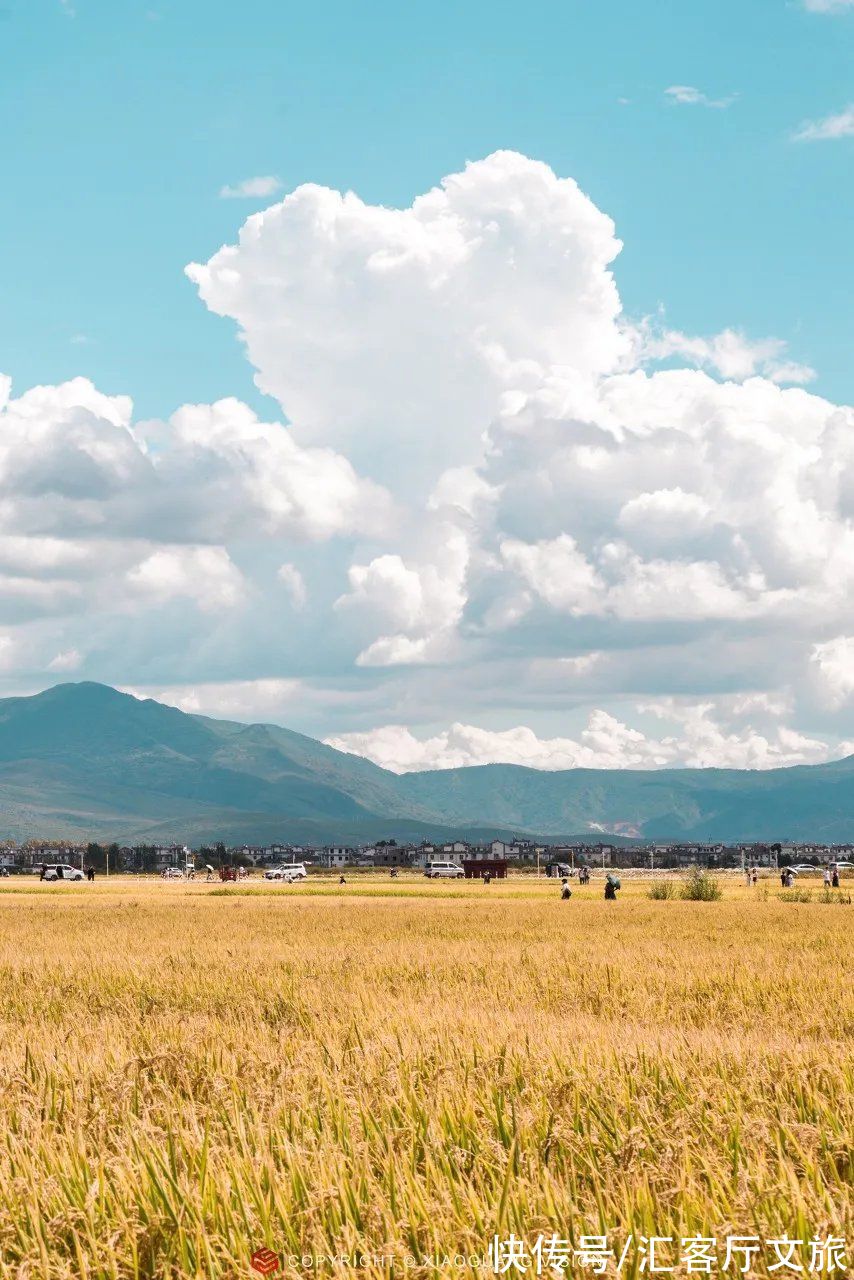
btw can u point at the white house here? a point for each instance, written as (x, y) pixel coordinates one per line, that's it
(172, 855)
(337, 855)
(516, 849)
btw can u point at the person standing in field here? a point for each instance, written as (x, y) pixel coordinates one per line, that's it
(565, 892)
(747, 879)
(612, 884)
(826, 877)
(834, 878)
(754, 875)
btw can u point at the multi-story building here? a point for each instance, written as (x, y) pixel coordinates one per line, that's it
(338, 855)
(387, 853)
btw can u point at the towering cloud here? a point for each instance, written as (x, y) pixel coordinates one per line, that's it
(394, 334)
(486, 500)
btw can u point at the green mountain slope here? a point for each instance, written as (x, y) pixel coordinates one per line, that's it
(804, 802)
(84, 761)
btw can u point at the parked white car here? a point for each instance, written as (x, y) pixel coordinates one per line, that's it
(172, 873)
(443, 871)
(61, 871)
(287, 875)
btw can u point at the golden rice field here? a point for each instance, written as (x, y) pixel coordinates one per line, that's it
(406, 1070)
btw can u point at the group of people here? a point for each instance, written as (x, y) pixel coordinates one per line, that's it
(612, 884)
(830, 877)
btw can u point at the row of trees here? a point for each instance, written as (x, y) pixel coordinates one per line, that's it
(143, 857)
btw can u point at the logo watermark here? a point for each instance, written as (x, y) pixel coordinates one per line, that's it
(557, 1256)
(264, 1261)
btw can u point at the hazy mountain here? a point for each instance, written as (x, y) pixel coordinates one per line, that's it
(808, 801)
(82, 760)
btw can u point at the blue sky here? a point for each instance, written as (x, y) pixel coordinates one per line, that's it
(464, 479)
(124, 120)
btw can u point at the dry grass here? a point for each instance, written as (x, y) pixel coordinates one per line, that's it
(408, 1068)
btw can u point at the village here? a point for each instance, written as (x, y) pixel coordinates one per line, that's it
(495, 857)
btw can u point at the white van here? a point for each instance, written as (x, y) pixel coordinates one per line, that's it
(443, 871)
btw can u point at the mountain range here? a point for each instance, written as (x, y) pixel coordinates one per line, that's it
(84, 761)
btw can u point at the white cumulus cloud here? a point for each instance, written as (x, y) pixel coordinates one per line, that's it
(834, 661)
(827, 129)
(394, 333)
(203, 574)
(416, 606)
(697, 739)
(487, 500)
